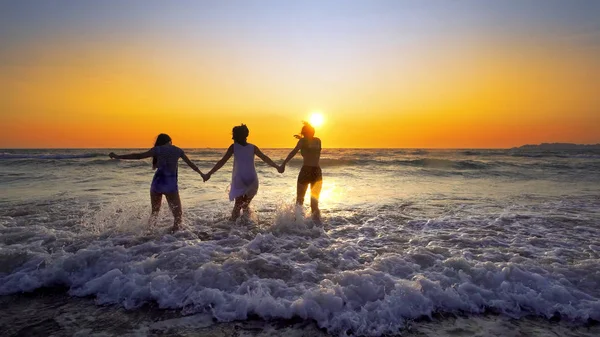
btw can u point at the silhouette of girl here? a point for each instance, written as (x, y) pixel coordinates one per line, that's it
(244, 180)
(164, 160)
(310, 173)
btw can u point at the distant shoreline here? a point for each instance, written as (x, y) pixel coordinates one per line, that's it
(558, 147)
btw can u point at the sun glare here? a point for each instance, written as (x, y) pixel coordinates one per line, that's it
(316, 119)
(330, 194)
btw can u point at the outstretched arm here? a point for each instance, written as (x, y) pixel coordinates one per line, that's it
(265, 158)
(220, 163)
(140, 155)
(190, 164)
(292, 153)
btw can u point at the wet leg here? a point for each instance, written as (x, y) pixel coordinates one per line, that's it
(315, 191)
(175, 205)
(237, 207)
(155, 200)
(300, 192)
(246, 204)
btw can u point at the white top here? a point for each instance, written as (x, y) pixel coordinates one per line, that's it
(244, 180)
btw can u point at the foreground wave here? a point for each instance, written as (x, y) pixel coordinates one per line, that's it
(407, 234)
(348, 277)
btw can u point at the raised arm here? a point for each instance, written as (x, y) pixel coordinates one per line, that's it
(140, 155)
(265, 158)
(221, 162)
(292, 153)
(190, 164)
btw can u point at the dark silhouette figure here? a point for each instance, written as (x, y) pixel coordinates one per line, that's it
(310, 173)
(164, 160)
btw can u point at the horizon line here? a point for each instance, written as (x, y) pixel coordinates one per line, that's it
(366, 148)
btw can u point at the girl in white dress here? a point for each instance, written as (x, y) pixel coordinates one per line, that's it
(244, 180)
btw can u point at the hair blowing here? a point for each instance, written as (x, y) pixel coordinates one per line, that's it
(307, 131)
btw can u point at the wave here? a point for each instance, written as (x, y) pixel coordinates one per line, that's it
(460, 163)
(445, 163)
(272, 283)
(422, 162)
(51, 156)
(368, 274)
(484, 153)
(539, 155)
(438, 165)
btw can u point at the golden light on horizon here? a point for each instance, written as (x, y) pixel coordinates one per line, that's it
(316, 119)
(445, 84)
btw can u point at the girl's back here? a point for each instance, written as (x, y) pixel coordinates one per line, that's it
(167, 157)
(311, 151)
(244, 178)
(243, 160)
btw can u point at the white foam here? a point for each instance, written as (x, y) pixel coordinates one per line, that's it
(369, 276)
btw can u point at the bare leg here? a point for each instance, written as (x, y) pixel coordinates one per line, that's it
(315, 191)
(241, 203)
(175, 205)
(301, 191)
(155, 200)
(237, 207)
(246, 204)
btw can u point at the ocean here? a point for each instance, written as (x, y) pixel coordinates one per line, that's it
(412, 242)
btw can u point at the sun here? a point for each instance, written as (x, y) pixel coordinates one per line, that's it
(316, 119)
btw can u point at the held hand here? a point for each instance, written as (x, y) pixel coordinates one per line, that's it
(112, 155)
(205, 177)
(281, 168)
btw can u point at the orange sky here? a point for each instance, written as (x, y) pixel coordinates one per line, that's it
(441, 90)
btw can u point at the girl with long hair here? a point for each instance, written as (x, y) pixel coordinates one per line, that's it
(165, 156)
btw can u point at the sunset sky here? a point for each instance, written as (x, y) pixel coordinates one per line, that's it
(426, 74)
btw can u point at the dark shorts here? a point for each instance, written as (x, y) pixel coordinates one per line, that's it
(164, 182)
(309, 175)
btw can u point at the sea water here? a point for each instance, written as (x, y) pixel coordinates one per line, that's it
(426, 239)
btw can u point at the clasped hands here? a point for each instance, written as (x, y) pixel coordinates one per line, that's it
(206, 177)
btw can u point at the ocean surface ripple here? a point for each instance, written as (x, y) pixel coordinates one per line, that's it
(406, 234)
